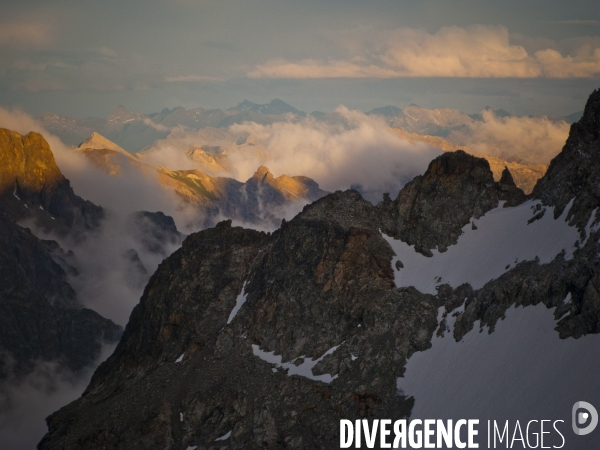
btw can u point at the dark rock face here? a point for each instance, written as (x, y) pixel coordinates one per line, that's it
(574, 172)
(530, 283)
(156, 231)
(41, 318)
(508, 190)
(431, 210)
(334, 283)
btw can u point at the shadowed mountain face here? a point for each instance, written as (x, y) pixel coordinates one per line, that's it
(41, 318)
(268, 340)
(574, 172)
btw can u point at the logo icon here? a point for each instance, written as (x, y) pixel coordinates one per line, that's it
(580, 418)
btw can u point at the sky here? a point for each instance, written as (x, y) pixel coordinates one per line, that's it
(85, 58)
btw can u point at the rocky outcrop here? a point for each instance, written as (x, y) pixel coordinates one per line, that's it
(431, 210)
(191, 366)
(508, 190)
(29, 175)
(571, 287)
(574, 173)
(525, 175)
(106, 155)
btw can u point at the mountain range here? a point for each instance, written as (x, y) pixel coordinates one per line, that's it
(134, 131)
(247, 339)
(206, 138)
(259, 199)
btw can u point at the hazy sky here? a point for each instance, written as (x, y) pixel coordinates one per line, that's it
(85, 58)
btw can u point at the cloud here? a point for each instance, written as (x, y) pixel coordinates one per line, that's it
(156, 126)
(26, 65)
(345, 149)
(24, 34)
(108, 52)
(533, 140)
(189, 78)
(474, 52)
(577, 22)
(25, 403)
(359, 151)
(90, 69)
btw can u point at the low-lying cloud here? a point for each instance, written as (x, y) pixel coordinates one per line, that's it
(362, 152)
(530, 140)
(347, 149)
(25, 403)
(475, 52)
(107, 282)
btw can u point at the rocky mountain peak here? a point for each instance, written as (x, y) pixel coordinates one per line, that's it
(41, 317)
(97, 141)
(588, 127)
(261, 173)
(274, 107)
(573, 174)
(124, 115)
(29, 177)
(27, 164)
(431, 210)
(508, 190)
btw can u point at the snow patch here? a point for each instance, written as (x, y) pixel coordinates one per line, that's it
(181, 417)
(303, 369)
(225, 436)
(507, 374)
(15, 194)
(503, 236)
(240, 300)
(178, 360)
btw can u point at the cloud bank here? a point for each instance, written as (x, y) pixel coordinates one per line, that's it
(27, 34)
(529, 140)
(474, 52)
(360, 151)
